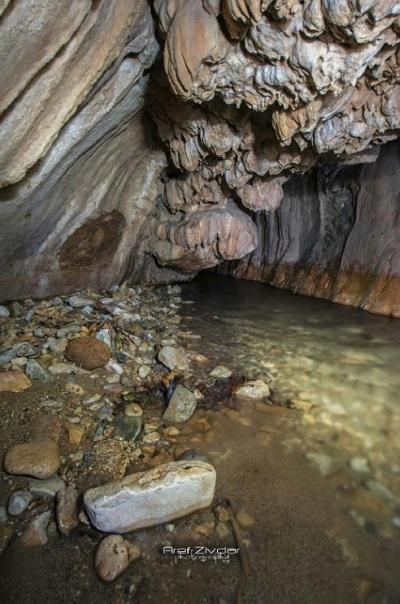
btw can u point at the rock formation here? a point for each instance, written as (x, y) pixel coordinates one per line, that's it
(150, 140)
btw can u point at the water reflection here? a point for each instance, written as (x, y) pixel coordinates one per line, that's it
(339, 364)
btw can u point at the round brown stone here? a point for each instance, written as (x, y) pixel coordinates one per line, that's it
(87, 352)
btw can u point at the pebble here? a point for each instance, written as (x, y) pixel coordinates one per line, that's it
(113, 556)
(111, 461)
(36, 532)
(87, 352)
(133, 410)
(151, 438)
(4, 312)
(63, 332)
(8, 355)
(174, 358)
(153, 497)
(79, 301)
(61, 369)
(14, 381)
(380, 490)
(19, 502)
(181, 406)
(144, 371)
(105, 336)
(128, 427)
(323, 462)
(36, 371)
(221, 372)
(16, 310)
(114, 367)
(75, 434)
(3, 514)
(359, 464)
(256, 389)
(67, 510)
(46, 488)
(38, 459)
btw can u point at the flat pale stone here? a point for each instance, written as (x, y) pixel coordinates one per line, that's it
(144, 499)
(113, 556)
(253, 390)
(14, 381)
(38, 459)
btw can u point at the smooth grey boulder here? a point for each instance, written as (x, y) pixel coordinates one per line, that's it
(149, 498)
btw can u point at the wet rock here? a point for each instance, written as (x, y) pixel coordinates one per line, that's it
(253, 390)
(39, 459)
(14, 381)
(6, 532)
(46, 488)
(87, 352)
(181, 406)
(128, 427)
(61, 369)
(151, 438)
(145, 499)
(19, 502)
(113, 556)
(36, 533)
(300, 405)
(63, 332)
(36, 371)
(173, 358)
(111, 460)
(67, 510)
(221, 372)
(114, 367)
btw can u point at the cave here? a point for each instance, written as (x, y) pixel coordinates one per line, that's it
(199, 301)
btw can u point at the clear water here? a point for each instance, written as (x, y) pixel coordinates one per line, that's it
(344, 362)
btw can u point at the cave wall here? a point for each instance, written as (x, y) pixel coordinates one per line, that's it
(335, 236)
(79, 169)
(150, 140)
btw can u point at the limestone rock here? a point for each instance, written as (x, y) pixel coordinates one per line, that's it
(89, 353)
(113, 556)
(181, 406)
(173, 358)
(14, 381)
(39, 459)
(148, 498)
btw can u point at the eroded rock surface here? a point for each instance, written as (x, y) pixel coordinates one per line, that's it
(108, 173)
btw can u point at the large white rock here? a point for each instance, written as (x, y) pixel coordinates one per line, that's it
(148, 498)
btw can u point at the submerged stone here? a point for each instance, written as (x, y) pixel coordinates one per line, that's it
(174, 358)
(149, 498)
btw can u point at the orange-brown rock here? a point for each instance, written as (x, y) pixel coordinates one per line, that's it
(87, 352)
